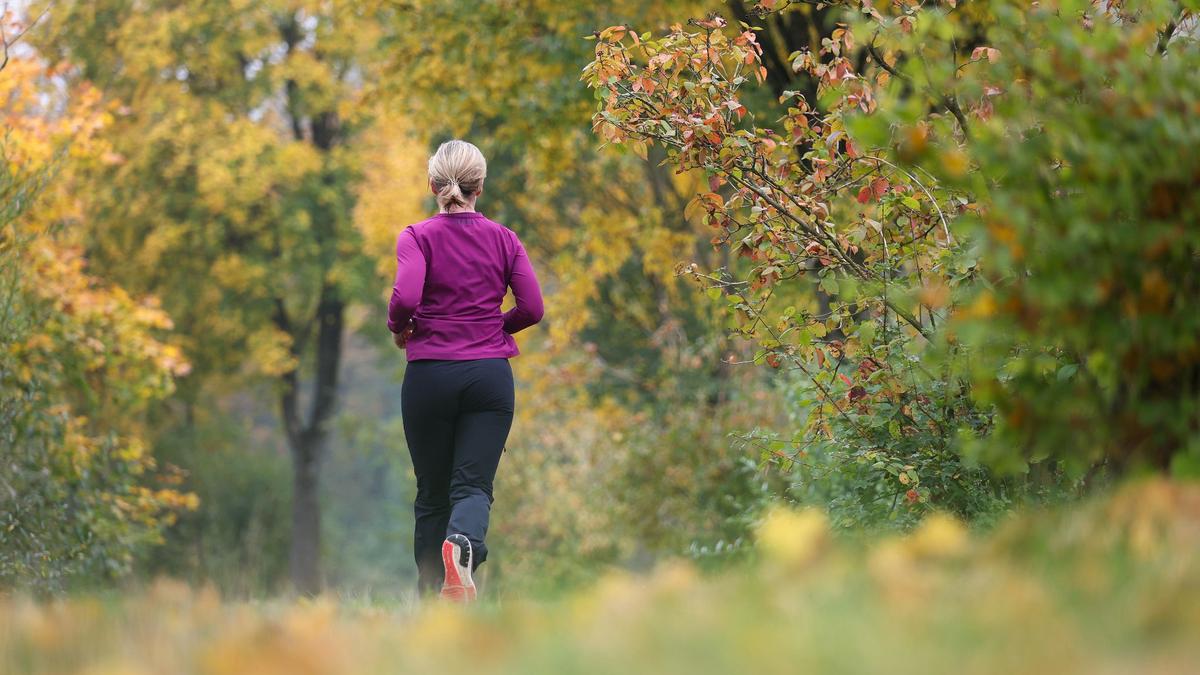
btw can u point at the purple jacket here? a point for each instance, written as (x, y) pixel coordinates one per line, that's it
(452, 272)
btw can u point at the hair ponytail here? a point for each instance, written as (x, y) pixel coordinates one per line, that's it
(456, 171)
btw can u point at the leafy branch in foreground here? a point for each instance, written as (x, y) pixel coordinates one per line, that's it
(909, 230)
(845, 257)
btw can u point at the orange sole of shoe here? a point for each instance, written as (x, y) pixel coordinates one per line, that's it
(453, 587)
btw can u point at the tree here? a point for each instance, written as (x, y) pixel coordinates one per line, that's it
(80, 360)
(233, 194)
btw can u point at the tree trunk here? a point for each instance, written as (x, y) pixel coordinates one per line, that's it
(307, 441)
(305, 556)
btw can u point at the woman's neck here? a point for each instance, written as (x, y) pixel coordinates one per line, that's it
(469, 208)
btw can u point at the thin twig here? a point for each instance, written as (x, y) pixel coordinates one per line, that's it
(951, 104)
(16, 38)
(941, 216)
(878, 58)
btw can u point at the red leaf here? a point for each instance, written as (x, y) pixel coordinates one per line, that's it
(874, 191)
(990, 53)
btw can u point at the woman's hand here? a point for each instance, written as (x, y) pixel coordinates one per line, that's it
(401, 338)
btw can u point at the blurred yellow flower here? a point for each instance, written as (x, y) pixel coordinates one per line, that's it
(939, 536)
(793, 537)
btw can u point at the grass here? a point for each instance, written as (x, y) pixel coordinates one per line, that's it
(1111, 585)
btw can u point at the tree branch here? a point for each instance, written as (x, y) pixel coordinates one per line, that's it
(952, 106)
(330, 319)
(7, 43)
(1165, 35)
(287, 401)
(878, 58)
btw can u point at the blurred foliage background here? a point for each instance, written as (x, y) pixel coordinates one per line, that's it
(252, 164)
(905, 262)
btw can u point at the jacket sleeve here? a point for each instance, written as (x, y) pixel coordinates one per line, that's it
(409, 284)
(526, 292)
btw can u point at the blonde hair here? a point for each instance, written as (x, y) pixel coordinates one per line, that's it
(457, 171)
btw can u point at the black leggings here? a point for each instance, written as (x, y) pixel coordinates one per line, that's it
(456, 419)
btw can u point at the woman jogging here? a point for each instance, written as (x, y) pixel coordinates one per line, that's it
(453, 271)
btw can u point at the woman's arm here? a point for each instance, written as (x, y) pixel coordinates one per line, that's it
(409, 284)
(528, 294)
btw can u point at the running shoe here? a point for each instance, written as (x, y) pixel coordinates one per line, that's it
(457, 557)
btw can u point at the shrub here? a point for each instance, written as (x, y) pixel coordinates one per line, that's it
(80, 362)
(1083, 333)
(968, 242)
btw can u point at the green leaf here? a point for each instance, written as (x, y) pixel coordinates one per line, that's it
(866, 332)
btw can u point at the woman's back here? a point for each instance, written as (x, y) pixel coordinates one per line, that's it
(453, 271)
(469, 261)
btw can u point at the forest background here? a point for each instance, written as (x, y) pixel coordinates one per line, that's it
(881, 258)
